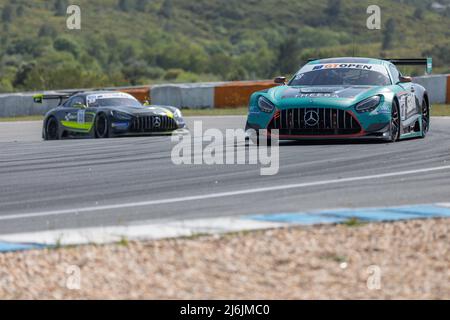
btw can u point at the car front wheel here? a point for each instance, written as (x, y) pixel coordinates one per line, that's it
(52, 129)
(395, 123)
(101, 126)
(425, 118)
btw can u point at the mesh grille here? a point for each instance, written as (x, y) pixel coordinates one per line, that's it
(153, 124)
(314, 121)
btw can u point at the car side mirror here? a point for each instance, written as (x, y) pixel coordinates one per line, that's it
(405, 79)
(79, 106)
(280, 80)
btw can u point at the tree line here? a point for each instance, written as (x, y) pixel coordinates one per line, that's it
(206, 40)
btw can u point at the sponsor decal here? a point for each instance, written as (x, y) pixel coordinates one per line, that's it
(403, 107)
(81, 116)
(408, 105)
(91, 99)
(344, 65)
(353, 66)
(71, 117)
(317, 95)
(120, 125)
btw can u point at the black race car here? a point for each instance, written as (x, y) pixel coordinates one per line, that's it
(106, 114)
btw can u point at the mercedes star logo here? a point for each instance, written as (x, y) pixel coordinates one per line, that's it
(157, 122)
(311, 118)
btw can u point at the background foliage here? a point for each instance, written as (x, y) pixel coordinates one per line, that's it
(132, 42)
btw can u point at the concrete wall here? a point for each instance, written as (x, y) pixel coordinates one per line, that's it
(193, 95)
(198, 95)
(22, 104)
(436, 86)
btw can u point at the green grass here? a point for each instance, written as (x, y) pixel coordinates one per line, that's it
(124, 242)
(440, 110)
(335, 257)
(21, 118)
(354, 222)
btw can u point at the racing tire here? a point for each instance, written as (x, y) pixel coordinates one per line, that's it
(101, 126)
(51, 129)
(394, 128)
(425, 119)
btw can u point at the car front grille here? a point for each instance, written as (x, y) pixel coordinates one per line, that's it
(153, 124)
(314, 121)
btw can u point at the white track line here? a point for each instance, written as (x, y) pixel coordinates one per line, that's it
(221, 194)
(446, 205)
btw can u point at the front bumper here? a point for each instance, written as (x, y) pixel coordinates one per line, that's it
(146, 125)
(308, 123)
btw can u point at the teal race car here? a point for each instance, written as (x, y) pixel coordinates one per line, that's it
(342, 98)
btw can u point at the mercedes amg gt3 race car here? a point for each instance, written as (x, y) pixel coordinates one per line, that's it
(343, 98)
(106, 114)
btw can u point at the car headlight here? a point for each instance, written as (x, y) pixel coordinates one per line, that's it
(120, 115)
(177, 114)
(265, 105)
(369, 104)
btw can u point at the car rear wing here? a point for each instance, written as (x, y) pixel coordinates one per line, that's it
(39, 98)
(427, 62)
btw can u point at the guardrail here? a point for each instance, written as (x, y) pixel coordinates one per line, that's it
(199, 95)
(22, 104)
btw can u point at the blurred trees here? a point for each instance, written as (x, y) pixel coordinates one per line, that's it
(134, 42)
(388, 34)
(166, 10)
(60, 7)
(7, 14)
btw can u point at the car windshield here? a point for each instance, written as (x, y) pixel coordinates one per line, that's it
(340, 77)
(115, 102)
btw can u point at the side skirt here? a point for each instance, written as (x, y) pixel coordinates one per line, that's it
(413, 134)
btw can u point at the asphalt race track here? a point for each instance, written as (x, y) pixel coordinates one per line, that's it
(84, 183)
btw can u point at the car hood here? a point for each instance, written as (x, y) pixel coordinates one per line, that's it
(145, 111)
(287, 96)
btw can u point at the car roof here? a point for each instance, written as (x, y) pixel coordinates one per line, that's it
(350, 60)
(87, 93)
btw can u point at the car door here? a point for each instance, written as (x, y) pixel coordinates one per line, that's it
(75, 116)
(406, 95)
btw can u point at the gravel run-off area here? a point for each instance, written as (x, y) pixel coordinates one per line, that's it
(399, 260)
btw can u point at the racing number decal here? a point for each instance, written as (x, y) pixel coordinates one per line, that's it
(81, 116)
(411, 103)
(403, 107)
(408, 105)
